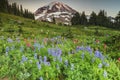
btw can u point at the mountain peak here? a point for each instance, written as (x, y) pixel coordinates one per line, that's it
(54, 9)
(55, 6)
(56, 2)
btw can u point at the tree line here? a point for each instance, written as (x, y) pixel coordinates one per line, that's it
(15, 9)
(100, 19)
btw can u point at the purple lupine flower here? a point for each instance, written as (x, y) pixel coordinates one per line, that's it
(38, 65)
(82, 55)
(105, 64)
(100, 65)
(105, 73)
(38, 46)
(89, 49)
(49, 51)
(9, 40)
(45, 59)
(81, 48)
(66, 63)
(7, 49)
(102, 57)
(59, 52)
(77, 49)
(60, 59)
(72, 66)
(53, 53)
(24, 59)
(41, 78)
(99, 55)
(59, 42)
(35, 56)
(52, 40)
(47, 63)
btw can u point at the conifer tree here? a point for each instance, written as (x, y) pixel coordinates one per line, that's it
(76, 19)
(83, 19)
(102, 18)
(117, 20)
(93, 19)
(21, 10)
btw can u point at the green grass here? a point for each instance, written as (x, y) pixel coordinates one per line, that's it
(39, 29)
(85, 36)
(35, 27)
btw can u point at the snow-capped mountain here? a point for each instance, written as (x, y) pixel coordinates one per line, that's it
(57, 10)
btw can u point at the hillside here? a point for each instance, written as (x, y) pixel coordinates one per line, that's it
(33, 50)
(46, 29)
(14, 26)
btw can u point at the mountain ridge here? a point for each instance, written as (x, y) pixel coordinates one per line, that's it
(58, 10)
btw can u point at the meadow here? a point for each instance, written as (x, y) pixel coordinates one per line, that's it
(33, 50)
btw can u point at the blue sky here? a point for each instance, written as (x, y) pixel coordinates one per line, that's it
(111, 6)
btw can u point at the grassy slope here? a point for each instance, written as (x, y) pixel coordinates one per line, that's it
(43, 29)
(40, 29)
